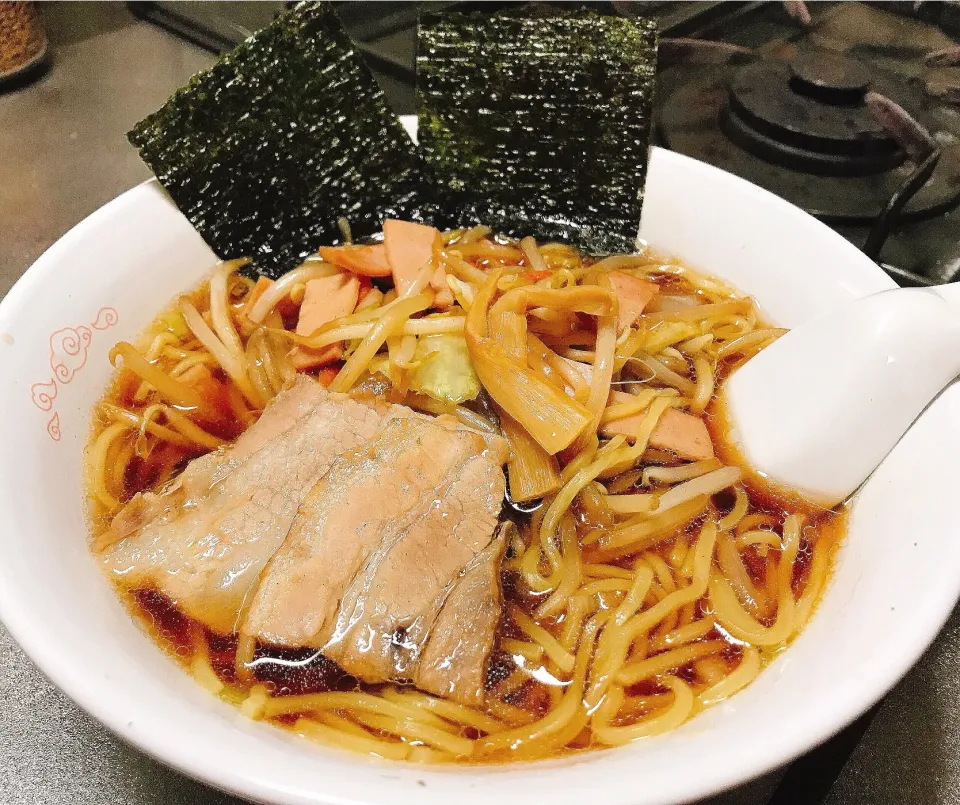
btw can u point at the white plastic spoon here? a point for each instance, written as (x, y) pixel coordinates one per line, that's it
(818, 409)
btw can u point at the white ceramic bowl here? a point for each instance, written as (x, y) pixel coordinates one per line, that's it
(896, 581)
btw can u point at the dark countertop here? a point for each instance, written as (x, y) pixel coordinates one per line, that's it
(63, 153)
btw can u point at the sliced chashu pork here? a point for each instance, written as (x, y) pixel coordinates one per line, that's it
(199, 476)
(453, 663)
(215, 529)
(379, 546)
(401, 587)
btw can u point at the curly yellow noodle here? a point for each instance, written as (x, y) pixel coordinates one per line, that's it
(740, 507)
(336, 735)
(763, 537)
(710, 670)
(353, 701)
(551, 646)
(741, 624)
(738, 679)
(531, 652)
(509, 714)
(341, 722)
(529, 567)
(571, 488)
(614, 643)
(643, 531)
(664, 576)
(394, 708)
(562, 715)
(597, 571)
(703, 558)
(424, 754)
(632, 673)
(411, 729)
(578, 608)
(687, 633)
(816, 581)
(570, 569)
(670, 718)
(599, 586)
(756, 601)
(451, 711)
(678, 552)
(738, 622)
(97, 463)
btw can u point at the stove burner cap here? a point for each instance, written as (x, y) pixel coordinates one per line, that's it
(809, 115)
(829, 78)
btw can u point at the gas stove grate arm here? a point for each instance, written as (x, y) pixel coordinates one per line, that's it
(922, 149)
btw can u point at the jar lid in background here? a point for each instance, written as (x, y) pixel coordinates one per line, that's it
(23, 41)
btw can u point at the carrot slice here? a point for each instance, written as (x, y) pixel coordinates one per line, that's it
(326, 299)
(369, 261)
(365, 287)
(327, 375)
(633, 295)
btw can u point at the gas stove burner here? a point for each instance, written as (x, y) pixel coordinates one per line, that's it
(801, 129)
(809, 115)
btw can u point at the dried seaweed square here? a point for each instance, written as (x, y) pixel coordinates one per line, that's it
(539, 124)
(267, 149)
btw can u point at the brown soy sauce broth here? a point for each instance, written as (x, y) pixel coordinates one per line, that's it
(285, 672)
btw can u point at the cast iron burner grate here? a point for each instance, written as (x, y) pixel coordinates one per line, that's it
(802, 129)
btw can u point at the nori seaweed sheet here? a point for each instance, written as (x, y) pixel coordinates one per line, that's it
(283, 135)
(539, 124)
